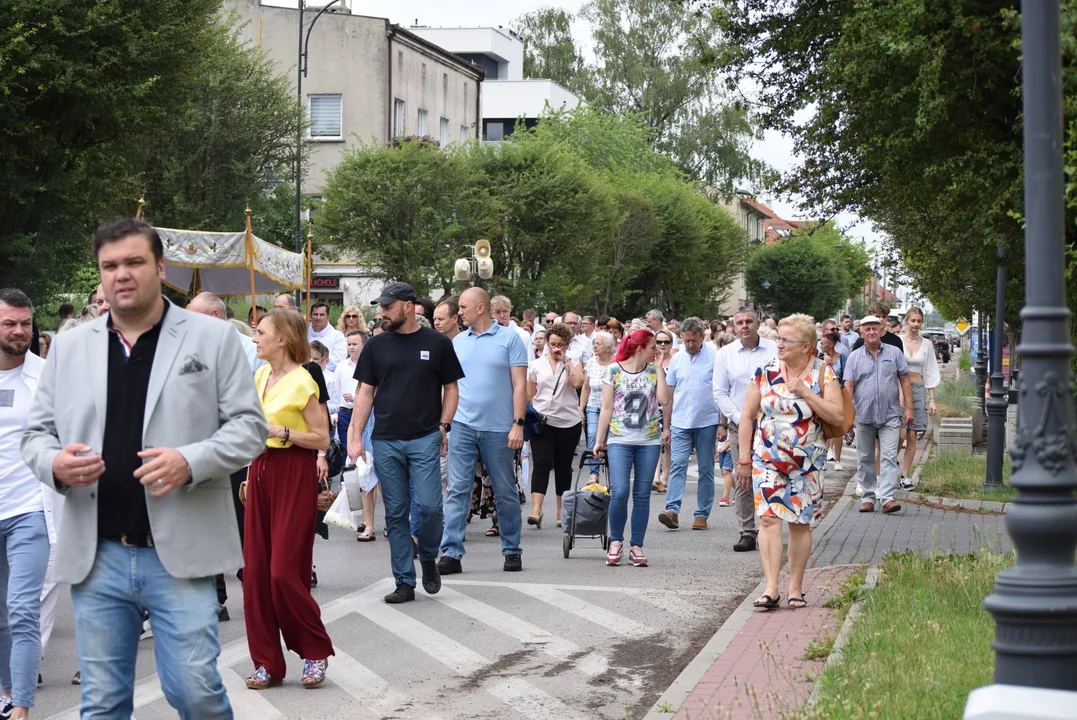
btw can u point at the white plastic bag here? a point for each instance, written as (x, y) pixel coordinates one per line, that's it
(361, 480)
(340, 514)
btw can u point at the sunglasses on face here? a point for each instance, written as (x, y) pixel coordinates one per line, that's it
(352, 317)
(663, 342)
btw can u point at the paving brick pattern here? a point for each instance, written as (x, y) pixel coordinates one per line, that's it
(762, 672)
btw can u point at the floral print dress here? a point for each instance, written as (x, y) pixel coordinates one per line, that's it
(788, 450)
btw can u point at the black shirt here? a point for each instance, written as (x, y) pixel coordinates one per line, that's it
(408, 371)
(316, 374)
(887, 337)
(121, 505)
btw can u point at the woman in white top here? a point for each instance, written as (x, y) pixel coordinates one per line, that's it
(924, 375)
(551, 389)
(664, 352)
(591, 398)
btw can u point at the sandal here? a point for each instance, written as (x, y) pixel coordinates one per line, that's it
(314, 672)
(767, 602)
(261, 679)
(366, 536)
(613, 557)
(800, 602)
(536, 521)
(493, 532)
(77, 680)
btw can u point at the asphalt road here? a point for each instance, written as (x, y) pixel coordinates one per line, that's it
(565, 638)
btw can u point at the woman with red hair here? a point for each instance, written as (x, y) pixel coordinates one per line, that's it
(634, 391)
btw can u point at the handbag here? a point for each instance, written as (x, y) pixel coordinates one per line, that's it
(848, 418)
(334, 459)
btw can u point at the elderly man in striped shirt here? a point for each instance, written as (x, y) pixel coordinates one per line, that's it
(874, 372)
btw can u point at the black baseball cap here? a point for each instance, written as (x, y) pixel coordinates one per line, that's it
(395, 291)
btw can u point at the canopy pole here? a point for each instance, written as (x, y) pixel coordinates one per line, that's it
(141, 202)
(249, 248)
(310, 270)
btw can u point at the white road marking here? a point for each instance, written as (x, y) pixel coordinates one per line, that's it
(247, 703)
(596, 614)
(363, 684)
(529, 701)
(592, 663)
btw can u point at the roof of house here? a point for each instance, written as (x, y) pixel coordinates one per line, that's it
(404, 32)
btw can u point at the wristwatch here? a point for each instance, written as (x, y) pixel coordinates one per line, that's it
(447, 427)
(518, 421)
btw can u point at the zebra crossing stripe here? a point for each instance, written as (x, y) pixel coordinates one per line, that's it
(590, 612)
(592, 663)
(247, 703)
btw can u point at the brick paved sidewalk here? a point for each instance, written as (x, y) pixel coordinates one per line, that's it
(753, 666)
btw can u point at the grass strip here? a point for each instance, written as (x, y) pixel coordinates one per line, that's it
(921, 642)
(961, 475)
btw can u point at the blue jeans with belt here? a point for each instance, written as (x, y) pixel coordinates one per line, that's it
(410, 471)
(108, 608)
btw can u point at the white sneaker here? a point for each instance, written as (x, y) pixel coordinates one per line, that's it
(837, 466)
(147, 631)
(859, 492)
(906, 483)
(830, 454)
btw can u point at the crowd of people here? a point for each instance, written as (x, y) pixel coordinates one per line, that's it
(149, 449)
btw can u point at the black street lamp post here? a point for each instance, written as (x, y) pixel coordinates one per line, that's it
(998, 404)
(1035, 602)
(301, 72)
(981, 365)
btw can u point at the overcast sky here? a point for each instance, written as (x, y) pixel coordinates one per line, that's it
(775, 149)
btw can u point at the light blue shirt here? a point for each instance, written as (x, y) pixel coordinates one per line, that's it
(690, 377)
(486, 388)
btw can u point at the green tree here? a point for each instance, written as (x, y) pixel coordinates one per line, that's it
(409, 209)
(907, 113)
(81, 83)
(549, 49)
(795, 277)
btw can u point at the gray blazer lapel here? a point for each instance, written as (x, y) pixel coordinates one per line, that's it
(168, 347)
(98, 351)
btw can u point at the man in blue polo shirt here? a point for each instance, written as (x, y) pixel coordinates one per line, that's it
(488, 423)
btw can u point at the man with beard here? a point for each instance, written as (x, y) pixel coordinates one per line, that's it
(23, 526)
(408, 376)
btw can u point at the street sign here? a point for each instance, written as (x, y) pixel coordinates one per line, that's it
(962, 325)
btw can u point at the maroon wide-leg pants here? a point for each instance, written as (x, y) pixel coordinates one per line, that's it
(278, 550)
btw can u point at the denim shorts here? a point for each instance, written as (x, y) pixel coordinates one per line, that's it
(725, 461)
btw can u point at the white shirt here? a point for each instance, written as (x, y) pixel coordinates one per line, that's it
(250, 351)
(332, 388)
(691, 377)
(346, 383)
(524, 335)
(734, 368)
(20, 491)
(333, 340)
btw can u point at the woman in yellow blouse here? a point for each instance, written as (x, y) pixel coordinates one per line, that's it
(282, 507)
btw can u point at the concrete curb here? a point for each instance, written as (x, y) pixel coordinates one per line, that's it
(955, 503)
(679, 690)
(871, 579)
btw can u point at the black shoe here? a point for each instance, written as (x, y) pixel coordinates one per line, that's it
(40, 682)
(313, 578)
(403, 593)
(745, 544)
(222, 614)
(431, 577)
(7, 706)
(449, 565)
(513, 563)
(414, 549)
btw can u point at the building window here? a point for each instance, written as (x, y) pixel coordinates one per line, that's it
(424, 123)
(398, 118)
(424, 71)
(325, 117)
(465, 99)
(495, 131)
(445, 131)
(400, 60)
(465, 133)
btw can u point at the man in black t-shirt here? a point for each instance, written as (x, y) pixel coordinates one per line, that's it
(407, 375)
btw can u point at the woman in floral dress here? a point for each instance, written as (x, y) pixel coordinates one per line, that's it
(790, 399)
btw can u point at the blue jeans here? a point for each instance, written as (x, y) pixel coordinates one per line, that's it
(682, 441)
(108, 608)
(622, 458)
(24, 559)
(344, 421)
(466, 446)
(410, 470)
(592, 434)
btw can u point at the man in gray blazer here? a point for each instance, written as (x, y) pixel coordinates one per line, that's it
(138, 420)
